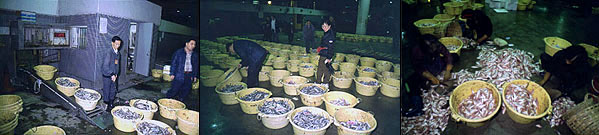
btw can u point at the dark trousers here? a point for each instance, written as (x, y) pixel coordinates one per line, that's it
(109, 90)
(253, 71)
(322, 73)
(309, 44)
(274, 36)
(180, 88)
(290, 37)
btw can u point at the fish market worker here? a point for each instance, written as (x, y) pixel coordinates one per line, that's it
(570, 65)
(430, 58)
(110, 72)
(184, 71)
(325, 50)
(252, 56)
(479, 24)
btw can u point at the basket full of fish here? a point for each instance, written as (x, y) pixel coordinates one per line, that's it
(273, 112)
(67, 85)
(352, 121)
(87, 98)
(148, 108)
(250, 98)
(226, 92)
(526, 101)
(153, 127)
(311, 94)
(474, 102)
(310, 121)
(367, 86)
(126, 117)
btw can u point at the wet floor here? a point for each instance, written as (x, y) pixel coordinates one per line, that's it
(39, 110)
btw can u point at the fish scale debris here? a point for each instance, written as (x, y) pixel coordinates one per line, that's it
(560, 107)
(308, 120)
(147, 128)
(127, 114)
(313, 90)
(355, 125)
(435, 115)
(275, 107)
(86, 95)
(254, 96)
(231, 88)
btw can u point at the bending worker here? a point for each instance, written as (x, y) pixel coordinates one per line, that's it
(479, 24)
(570, 65)
(252, 56)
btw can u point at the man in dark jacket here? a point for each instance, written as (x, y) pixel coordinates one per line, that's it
(184, 71)
(110, 72)
(252, 56)
(570, 65)
(291, 31)
(308, 32)
(325, 50)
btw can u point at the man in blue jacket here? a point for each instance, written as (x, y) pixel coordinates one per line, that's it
(110, 72)
(184, 71)
(252, 55)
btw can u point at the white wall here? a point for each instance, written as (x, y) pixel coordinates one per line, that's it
(139, 10)
(171, 27)
(77, 7)
(48, 7)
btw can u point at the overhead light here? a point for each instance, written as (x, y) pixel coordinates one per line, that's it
(178, 11)
(189, 16)
(269, 2)
(390, 2)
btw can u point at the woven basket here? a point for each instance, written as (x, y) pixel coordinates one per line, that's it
(554, 44)
(452, 41)
(8, 127)
(314, 59)
(579, 107)
(367, 61)
(311, 100)
(169, 108)
(348, 67)
(387, 74)
(444, 21)
(454, 29)
(46, 72)
(342, 79)
(188, 121)
(339, 57)
(351, 58)
(307, 72)
(426, 29)
(586, 120)
(390, 87)
(366, 90)
(228, 98)
(463, 91)
(382, 65)
(277, 75)
(539, 93)
(68, 91)
(250, 107)
(210, 79)
(362, 73)
(45, 130)
(297, 130)
(279, 62)
(275, 121)
(263, 75)
(124, 124)
(293, 65)
(334, 95)
(291, 89)
(305, 58)
(348, 114)
(453, 8)
(204, 68)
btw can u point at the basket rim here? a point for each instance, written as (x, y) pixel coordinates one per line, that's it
(133, 101)
(310, 84)
(361, 111)
(130, 108)
(78, 84)
(238, 94)
(309, 108)
(546, 40)
(159, 123)
(547, 110)
(168, 99)
(47, 126)
(89, 90)
(461, 118)
(276, 98)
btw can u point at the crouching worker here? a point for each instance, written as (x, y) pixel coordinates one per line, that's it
(252, 56)
(570, 66)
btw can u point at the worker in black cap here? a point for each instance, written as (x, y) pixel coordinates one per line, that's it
(479, 25)
(252, 56)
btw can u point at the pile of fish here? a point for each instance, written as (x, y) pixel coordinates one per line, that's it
(521, 100)
(147, 128)
(498, 67)
(231, 88)
(307, 120)
(254, 96)
(306, 66)
(452, 47)
(370, 83)
(368, 70)
(468, 43)
(434, 119)
(275, 107)
(340, 102)
(142, 105)
(426, 24)
(355, 125)
(313, 90)
(65, 82)
(478, 105)
(86, 95)
(560, 107)
(127, 114)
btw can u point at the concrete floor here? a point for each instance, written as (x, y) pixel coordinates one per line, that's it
(217, 118)
(38, 110)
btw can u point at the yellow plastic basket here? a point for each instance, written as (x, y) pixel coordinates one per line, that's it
(453, 8)
(554, 44)
(452, 41)
(463, 91)
(426, 26)
(539, 93)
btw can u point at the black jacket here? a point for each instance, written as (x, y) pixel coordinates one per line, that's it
(328, 41)
(249, 52)
(110, 65)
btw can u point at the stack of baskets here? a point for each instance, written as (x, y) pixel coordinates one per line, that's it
(188, 121)
(10, 107)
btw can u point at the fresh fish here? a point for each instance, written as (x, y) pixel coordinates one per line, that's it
(147, 128)
(275, 107)
(308, 120)
(254, 96)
